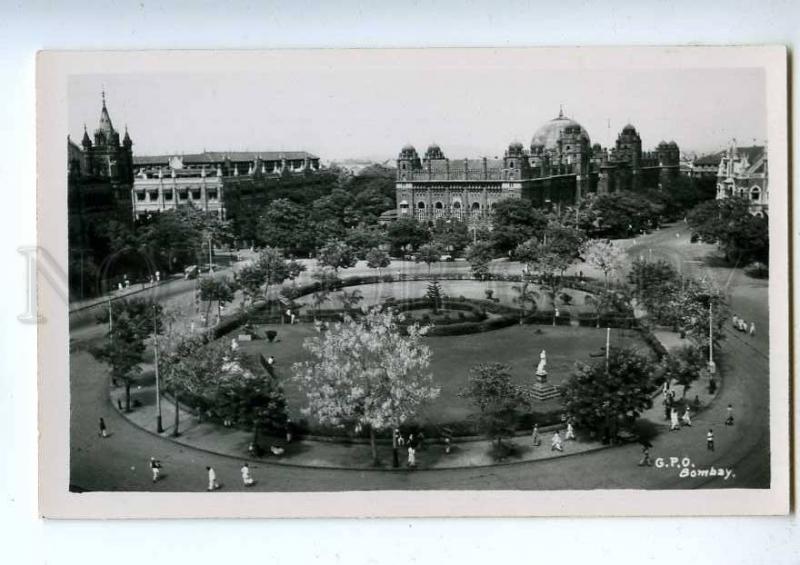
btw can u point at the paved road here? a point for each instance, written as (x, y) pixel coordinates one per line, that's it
(120, 462)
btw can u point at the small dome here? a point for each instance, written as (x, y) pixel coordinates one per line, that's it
(662, 145)
(547, 135)
(408, 152)
(434, 152)
(673, 145)
(629, 129)
(515, 148)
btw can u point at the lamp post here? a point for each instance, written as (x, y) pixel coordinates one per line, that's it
(159, 426)
(712, 367)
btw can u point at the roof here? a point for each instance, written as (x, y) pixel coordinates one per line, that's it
(213, 157)
(549, 133)
(472, 164)
(712, 159)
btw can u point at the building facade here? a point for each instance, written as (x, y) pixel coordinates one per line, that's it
(167, 181)
(744, 172)
(559, 167)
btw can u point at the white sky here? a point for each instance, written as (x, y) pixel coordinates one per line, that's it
(372, 113)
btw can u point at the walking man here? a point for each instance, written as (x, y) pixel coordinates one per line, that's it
(729, 419)
(155, 468)
(752, 329)
(102, 432)
(645, 461)
(570, 432)
(412, 456)
(556, 444)
(247, 479)
(674, 426)
(212, 479)
(535, 439)
(687, 417)
(710, 440)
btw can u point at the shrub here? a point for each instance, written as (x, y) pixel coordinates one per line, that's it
(566, 298)
(271, 335)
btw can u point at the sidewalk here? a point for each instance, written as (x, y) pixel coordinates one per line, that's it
(233, 442)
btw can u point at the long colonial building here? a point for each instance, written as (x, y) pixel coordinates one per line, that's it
(560, 166)
(744, 172)
(166, 181)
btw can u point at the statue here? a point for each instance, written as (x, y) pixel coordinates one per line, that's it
(541, 371)
(234, 344)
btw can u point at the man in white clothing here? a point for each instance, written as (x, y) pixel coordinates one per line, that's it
(212, 479)
(247, 479)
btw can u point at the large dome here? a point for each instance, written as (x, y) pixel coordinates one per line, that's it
(547, 135)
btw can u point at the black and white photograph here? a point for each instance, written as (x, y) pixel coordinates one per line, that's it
(556, 273)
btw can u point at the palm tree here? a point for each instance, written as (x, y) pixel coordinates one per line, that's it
(527, 295)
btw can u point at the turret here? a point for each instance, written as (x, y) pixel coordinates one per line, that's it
(407, 162)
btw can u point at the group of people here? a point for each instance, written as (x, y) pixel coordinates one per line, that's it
(556, 442)
(211, 474)
(414, 443)
(740, 324)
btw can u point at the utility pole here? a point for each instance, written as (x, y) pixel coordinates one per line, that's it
(210, 263)
(159, 426)
(110, 318)
(608, 350)
(712, 368)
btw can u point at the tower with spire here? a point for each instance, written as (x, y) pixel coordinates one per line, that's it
(105, 157)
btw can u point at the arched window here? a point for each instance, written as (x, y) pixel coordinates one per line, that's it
(421, 205)
(438, 209)
(476, 206)
(439, 205)
(755, 193)
(456, 205)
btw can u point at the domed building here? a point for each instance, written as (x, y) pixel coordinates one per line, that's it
(559, 168)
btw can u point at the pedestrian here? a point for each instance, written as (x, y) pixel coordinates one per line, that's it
(212, 479)
(412, 456)
(155, 468)
(102, 431)
(674, 424)
(556, 444)
(447, 446)
(687, 417)
(712, 385)
(570, 432)
(289, 430)
(665, 387)
(119, 404)
(411, 442)
(247, 479)
(158, 276)
(645, 461)
(752, 329)
(696, 401)
(401, 442)
(735, 321)
(535, 439)
(729, 418)
(710, 440)
(421, 441)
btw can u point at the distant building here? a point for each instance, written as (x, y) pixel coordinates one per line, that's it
(744, 172)
(560, 167)
(707, 165)
(166, 181)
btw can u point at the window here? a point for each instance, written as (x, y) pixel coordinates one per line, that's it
(421, 205)
(195, 194)
(140, 196)
(212, 193)
(168, 195)
(153, 195)
(183, 195)
(755, 193)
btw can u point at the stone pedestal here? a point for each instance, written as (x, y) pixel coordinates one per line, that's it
(542, 390)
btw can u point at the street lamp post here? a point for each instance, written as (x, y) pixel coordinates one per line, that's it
(712, 367)
(159, 426)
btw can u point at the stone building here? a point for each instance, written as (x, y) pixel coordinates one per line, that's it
(559, 167)
(744, 172)
(209, 180)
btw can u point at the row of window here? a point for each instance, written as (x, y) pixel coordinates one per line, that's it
(440, 205)
(152, 195)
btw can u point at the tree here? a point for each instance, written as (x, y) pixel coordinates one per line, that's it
(479, 255)
(607, 395)
(351, 299)
(274, 268)
(549, 260)
(336, 210)
(429, 254)
(741, 236)
(132, 322)
(515, 221)
(623, 214)
(286, 225)
(366, 373)
(435, 295)
(684, 366)
(656, 284)
(407, 233)
(603, 255)
(337, 255)
(527, 295)
(327, 281)
(377, 259)
(219, 290)
(249, 279)
(451, 236)
(491, 390)
(363, 239)
(607, 301)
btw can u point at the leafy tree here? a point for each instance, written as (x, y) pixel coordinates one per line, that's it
(407, 233)
(366, 373)
(336, 211)
(603, 255)
(449, 235)
(362, 239)
(337, 255)
(741, 236)
(286, 225)
(250, 278)
(609, 395)
(429, 254)
(615, 302)
(274, 268)
(515, 221)
(623, 214)
(527, 295)
(656, 283)
(377, 259)
(693, 304)
(132, 323)
(549, 260)
(327, 282)
(492, 391)
(684, 365)
(479, 256)
(350, 299)
(219, 290)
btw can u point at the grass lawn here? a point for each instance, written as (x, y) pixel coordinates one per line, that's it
(516, 346)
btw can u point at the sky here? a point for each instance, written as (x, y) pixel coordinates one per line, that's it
(372, 112)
